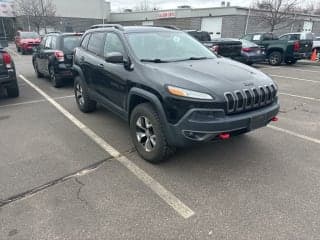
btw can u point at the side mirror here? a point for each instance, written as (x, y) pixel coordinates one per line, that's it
(115, 57)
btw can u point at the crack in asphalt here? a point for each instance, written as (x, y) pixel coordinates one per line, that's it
(79, 192)
(74, 175)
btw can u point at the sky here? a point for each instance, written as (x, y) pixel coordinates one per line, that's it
(117, 5)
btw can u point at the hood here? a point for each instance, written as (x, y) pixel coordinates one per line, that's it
(214, 76)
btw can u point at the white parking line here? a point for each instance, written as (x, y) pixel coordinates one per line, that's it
(298, 96)
(310, 139)
(34, 101)
(155, 186)
(293, 78)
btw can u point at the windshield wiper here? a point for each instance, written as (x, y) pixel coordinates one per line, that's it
(193, 58)
(156, 60)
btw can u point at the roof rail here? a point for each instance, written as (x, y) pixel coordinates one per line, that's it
(169, 27)
(116, 26)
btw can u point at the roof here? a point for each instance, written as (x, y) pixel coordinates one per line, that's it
(134, 29)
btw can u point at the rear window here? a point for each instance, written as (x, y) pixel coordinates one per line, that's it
(70, 43)
(248, 44)
(32, 35)
(306, 36)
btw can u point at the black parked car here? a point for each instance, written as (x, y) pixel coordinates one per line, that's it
(8, 77)
(225, 47)
(171, 89)
(54, 57)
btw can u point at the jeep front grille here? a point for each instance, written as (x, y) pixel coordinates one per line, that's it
(248, 99)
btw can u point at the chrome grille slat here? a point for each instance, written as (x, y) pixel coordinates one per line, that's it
(246, 99)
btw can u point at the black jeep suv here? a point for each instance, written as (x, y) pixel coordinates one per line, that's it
(54, 57)
(171, 89)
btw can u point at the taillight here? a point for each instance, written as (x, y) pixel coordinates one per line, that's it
(215, 48)
(59, 56)
(296, 46)
(246, 49)
(7, 60)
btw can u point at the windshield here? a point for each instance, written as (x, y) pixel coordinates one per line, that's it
(25, 35)
(167, 46)
(70, 43)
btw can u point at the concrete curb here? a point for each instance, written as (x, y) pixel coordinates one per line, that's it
(308, 62)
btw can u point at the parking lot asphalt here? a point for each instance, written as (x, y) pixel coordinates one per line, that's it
(59, 182)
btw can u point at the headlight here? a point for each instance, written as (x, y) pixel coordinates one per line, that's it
(181, 92)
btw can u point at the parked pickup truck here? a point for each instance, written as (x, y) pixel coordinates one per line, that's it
(281, 50)
(225, 47)
(316, 44)
(8, 78)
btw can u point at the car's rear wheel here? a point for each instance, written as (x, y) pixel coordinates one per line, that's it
(290, 61)
(148, 134)
(275, 58)
(83, 100)
(36, 69)
(56, 81)
(13, 90)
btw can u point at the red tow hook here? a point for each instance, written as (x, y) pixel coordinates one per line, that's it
(275, 119)
(224, 136)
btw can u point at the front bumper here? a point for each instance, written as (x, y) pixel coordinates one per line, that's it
(189, 130)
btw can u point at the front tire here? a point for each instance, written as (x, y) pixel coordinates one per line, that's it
(36, 69)
(275, 58)
(148, 134)
(85, 104)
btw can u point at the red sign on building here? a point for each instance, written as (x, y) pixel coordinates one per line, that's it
(168, 14)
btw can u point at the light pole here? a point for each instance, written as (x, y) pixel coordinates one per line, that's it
(44, 22)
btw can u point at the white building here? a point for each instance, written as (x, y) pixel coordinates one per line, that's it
(93, 9)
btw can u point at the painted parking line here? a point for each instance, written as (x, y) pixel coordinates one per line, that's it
(298, 135)
(32, 102)
(298, 96)
(294, 78)
(155, 186)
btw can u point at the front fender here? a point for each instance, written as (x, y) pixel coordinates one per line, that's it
(155, 101)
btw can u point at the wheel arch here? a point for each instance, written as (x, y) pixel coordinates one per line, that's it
(137, 96)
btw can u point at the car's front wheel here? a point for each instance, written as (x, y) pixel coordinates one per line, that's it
(83, 100)
(36, 69)
(148, 134)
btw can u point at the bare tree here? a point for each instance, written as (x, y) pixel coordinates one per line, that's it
(276, 14)
(40, 13)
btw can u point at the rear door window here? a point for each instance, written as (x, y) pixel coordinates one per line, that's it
(48, 43)
(69, 43)
(54, 43)
(96, 43)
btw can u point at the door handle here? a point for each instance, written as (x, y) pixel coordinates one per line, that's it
(100, 65)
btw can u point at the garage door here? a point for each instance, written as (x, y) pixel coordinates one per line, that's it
(212, 24)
